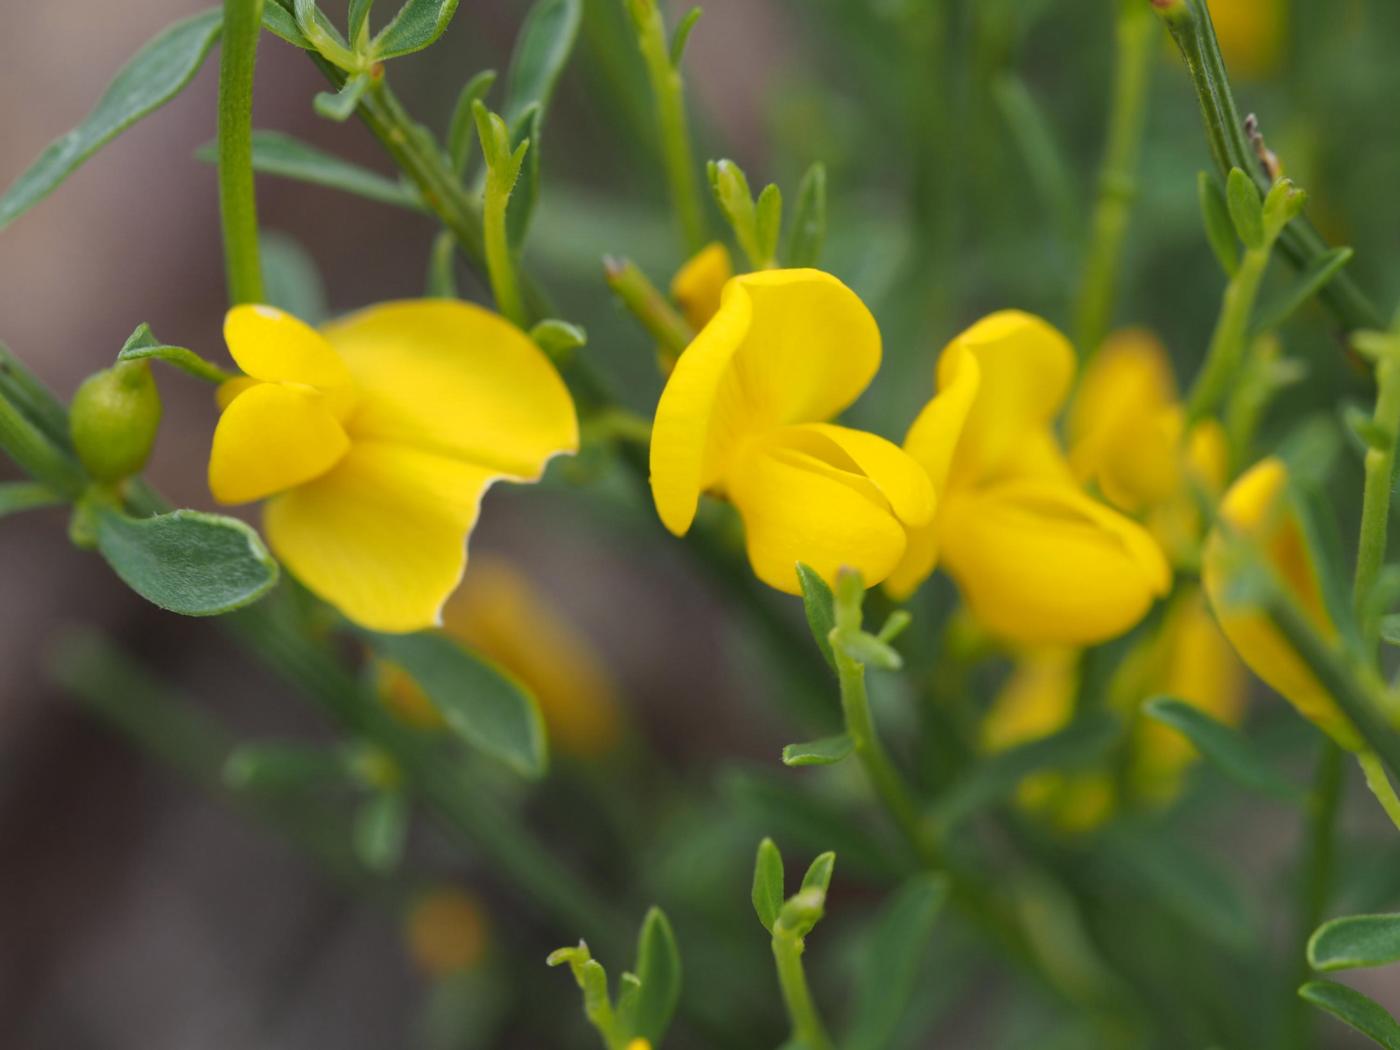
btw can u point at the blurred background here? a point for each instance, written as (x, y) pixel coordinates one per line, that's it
(138, 911)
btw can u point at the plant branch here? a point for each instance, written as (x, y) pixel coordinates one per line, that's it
(237, 204)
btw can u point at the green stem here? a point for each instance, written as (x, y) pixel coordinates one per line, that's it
(1375, 506)
(500, 257)
(1190, 26)
(37, 454)
(237, 205)
(1314, 883)
(808, 1030)
(645, 302)
(1230, 338)
(1117, 177)
(884, 777)
(1379, 783)
(668, 89)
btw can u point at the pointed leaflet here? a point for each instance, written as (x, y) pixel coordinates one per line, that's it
(1223, 746)
(1351, 1007)
(768, 884)
(659, 974)
(1355, 941)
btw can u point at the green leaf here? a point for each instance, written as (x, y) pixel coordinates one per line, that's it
(291, 280)
(340, 105)
(461, 132)
(808, 219)
(681, 36)
(557, 338)
(659, 972)
(1352, 1008)
(767, 893)
(1355, 941)
(768, 220)
(1246, 209)
(800, 913)
(279, 768)
(864, 648)
(820, 606)
(280, 22)
(277, 154)
(1223, 747)
(142, 345)
(818, 875)
(1037, 142)
(381, 828)
(520, 208)
(442, 267)
(186, 561)
(480, 702)
(824, 752)
(1307, 284)
(1220, 228)
(16, 496)
(358, 18)
(995, 778)
(541, 52)
(1390, 629)
(152, 78)
(35, 401)
(890, 961)
(418, 24)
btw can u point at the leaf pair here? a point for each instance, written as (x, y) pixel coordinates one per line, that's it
(1348, 943)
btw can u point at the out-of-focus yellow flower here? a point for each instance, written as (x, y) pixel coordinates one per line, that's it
(1252, 34)
(1124, 434)
(1037, 560)
(639, 1044)
(744, 416)
(446, 932)
(1257, 511)
(499, 613)
(698, 284)
(374, 440)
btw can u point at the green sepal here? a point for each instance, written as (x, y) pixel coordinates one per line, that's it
(142, 345)
(340, 105)
(824, 752)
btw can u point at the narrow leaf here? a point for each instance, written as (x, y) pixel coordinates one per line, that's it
(820, 606)
(358, 18)
(557, 338)
(541, 52)
(461, 132)
(824, 752)
(278, 154)
(340, 105)
(893, 952)
(768, 884)
(291, 280)
(1352, 1008)
(818, 876)
(381, 827)
(659, 972)
(520, 208)
(279, 768)
(1355, 941)
(186, 561)
(479, 702)
(16, 496)
(1316, 277)
(808, 219)
(418, 24)
(442, 267)
(143, 345)
(768, 219)
(1246, 209)
(1220, 228)
(152, 78)
(681, 36)
(1223, 747)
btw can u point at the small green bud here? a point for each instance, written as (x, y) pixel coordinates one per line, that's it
(1282, 205)
(113, 420)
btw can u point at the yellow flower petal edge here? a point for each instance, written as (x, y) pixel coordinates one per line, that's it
(273, 437)
(1256, 510)
(1042, 563)
(698, 284)
(272, 345)
(786, 346)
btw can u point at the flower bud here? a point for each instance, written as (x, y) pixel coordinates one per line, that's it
(113, 420)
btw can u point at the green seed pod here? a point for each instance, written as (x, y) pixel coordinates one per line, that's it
(113, 420)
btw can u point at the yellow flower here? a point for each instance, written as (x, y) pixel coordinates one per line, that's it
(1252, 34)
(743, 416)
(1037, 700)
(374, 440)
(697, 285)
(1257, 512)
(639, 1044)
(446, 932)
(1036, 559)
(1124, 433)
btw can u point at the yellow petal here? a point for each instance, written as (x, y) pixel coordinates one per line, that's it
(698, 284)
(1256, 511)
(803, 499)
(900, 479)
(1025, 368)
(446, 932)
(273, 437)
(448, 377)
(500, 613)
(787, 346)
(1037, 700)
(272, 345)
(933, 438)
(1252, 34)
(1043, 563)
(383, 536)
(231, 388)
